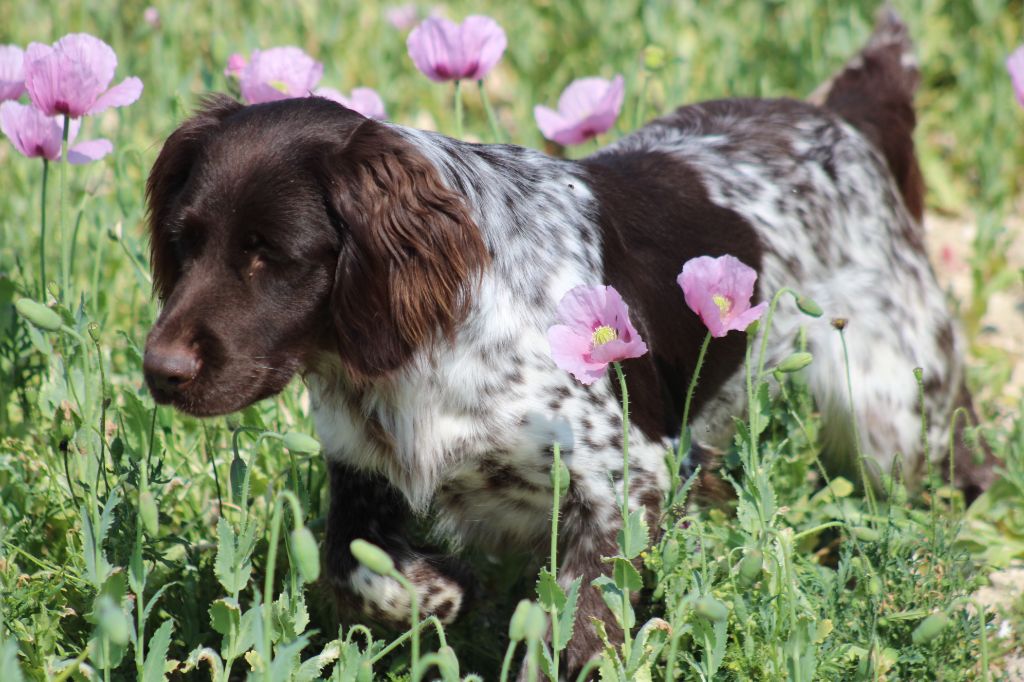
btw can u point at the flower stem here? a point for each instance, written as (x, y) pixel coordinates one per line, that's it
(766, 327)
(458, 109)
(63, 172)
(268, 582)
(42, 233)
(506, 664)
(626, 643)
(555, 509)
(414, 607)
(686, 406)
(869, 490)
(491, 118)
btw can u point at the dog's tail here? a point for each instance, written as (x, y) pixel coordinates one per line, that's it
(874, 92)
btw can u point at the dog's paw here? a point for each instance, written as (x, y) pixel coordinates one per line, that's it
(384, 600)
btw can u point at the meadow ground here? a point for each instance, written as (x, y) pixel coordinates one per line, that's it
(135, 541)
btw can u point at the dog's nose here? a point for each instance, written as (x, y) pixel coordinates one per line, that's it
(169, 370)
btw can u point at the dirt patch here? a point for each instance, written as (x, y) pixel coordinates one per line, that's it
(949, 243)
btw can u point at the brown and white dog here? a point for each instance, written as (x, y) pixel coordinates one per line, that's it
(410, 278)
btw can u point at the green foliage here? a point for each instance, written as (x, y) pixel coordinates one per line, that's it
(136, 542)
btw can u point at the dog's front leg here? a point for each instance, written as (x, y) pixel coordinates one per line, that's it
(366, 506)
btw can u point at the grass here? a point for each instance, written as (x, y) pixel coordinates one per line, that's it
(798, 579)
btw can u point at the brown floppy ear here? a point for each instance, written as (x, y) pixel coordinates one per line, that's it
(410, 251)
(168, 177)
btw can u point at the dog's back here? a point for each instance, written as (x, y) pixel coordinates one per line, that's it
(823, 198)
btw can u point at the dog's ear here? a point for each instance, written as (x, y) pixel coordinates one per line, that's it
(169, 176)
(410, 252)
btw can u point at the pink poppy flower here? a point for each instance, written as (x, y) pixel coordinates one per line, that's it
(446, 51)
(12, 72)
(151, 15)
(595, 331)
(279, 73)
(236, 64)
(365, 101)
(588, 107)
(719, 290)
(403, 17)
(1015, 65)
(72, 77)
(35, 134)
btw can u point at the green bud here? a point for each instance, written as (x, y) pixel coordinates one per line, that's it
(38, 314)
(448, 663)
(94, 332)
(373, 557)
(148, 513)
(670, 556)
(808, 306)
(712, 609)
(795, 362)
(750, 567)
(866, 534)
(654, 57)
(237, 475)
(536, 622)
(305, 554)
(930, 628)
(563, 478)
(301, 443)
(517, 626)
(874, 586)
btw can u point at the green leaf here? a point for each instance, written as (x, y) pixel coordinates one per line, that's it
(612, 597)
(232, 565)
(567, 614)
(137, 570)
(9, 661)
(310, 668)
(286, 658)
(225, 616)
(626, 576)
(156, 654)
(637, 535)
(549, 591)
(112, 620)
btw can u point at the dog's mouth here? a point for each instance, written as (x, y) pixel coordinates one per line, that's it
(218, 393)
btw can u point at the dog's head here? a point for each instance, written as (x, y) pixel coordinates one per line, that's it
(280, 231)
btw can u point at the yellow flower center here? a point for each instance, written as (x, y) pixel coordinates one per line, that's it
(723, 303)
(603, 335)
(280, 86)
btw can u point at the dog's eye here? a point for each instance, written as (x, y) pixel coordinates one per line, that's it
(254, 244)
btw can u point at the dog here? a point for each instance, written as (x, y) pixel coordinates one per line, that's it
(410, 278)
